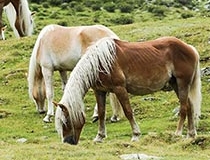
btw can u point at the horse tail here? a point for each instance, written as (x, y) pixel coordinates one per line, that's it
(33, 68)
(195, 90)
(11, 16)
(34, 72)
(26, 18)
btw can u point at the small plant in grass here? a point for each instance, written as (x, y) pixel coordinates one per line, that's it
(64, 6)
(110, 7)
(55, 2)
(96, 7)
(123, 19)
(63, 23)
(157, 10)
(45, 5)
(126, 7)
(187, 15)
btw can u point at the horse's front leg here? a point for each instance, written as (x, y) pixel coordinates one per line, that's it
(101, 100)
(48, 74)
(122, 96)
(184, 106)
(116, 108)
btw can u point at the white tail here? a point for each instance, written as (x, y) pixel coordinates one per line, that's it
(33, 62)
(195, 91)
(26, 18)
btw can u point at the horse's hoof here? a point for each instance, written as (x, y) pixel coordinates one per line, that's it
(95, 119)
(98, 139)
(191, 134)
(47, 119)
(135, 139)
(42, 112)
(114, 119)
(178, 133)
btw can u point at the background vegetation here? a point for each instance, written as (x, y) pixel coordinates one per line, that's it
(138, 20)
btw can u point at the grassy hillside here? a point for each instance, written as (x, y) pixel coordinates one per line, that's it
(18, 118)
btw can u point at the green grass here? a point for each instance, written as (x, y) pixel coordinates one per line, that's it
(19, 119)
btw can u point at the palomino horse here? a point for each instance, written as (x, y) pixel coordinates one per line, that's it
(138, 68)
(19, 16)
(60, 48)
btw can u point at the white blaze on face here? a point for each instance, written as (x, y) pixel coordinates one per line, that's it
(59, 120)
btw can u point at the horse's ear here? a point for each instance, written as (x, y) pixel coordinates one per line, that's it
(55, 103)
(33, 13)
(63, 108)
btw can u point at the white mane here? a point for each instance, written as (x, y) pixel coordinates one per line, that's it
(26, 17)
(86, 72)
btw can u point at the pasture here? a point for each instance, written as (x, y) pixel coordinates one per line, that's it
(154, 113)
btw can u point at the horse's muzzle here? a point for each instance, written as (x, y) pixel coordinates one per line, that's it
(70, 140)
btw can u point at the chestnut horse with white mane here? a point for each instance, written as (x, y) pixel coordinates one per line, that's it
(60, 48)
(138, 68)
(19, 16)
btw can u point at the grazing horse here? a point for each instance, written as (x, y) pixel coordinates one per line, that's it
(138, 68)
(60, 48)
(19, 16)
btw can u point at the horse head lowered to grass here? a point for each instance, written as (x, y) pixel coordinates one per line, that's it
(138, 68)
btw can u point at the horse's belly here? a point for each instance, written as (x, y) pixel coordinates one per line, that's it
(141, 90)
(146, 86)
(67, 62)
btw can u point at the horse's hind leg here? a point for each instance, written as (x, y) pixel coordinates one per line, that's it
(122, 96)
(48, 74)
(186, 111)
(116, 108)
(95, 114)
(191, 122)
(64, 79)
(182, 93)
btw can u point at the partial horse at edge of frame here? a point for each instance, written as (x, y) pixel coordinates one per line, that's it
(19, 15)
